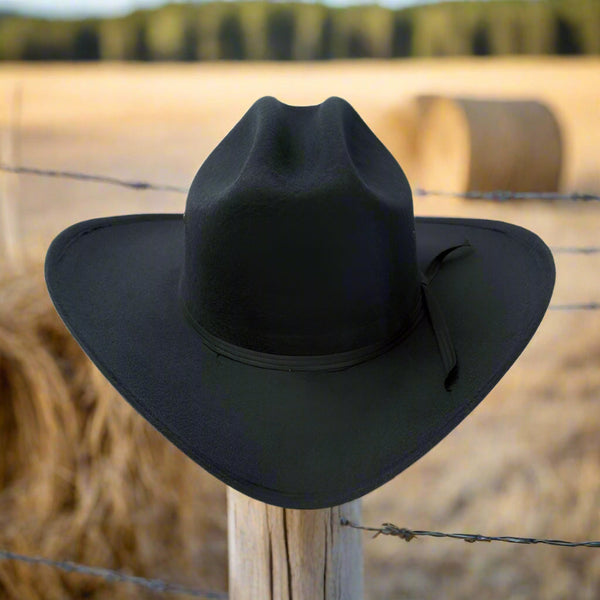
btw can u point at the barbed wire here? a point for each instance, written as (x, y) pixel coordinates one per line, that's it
(156, 585)
(500, 195)
(409, 534)
(136, 185)
(583, 306)
(146, 185)
(160, 586)
(159, 187)
(575, 249)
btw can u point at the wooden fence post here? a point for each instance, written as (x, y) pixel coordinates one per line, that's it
(284, 554)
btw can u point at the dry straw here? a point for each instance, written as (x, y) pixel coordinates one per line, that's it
(82, 476)
(486, 145)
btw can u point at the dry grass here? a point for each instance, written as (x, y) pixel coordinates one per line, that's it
(85, 478)
(525, 463)
(82, 476)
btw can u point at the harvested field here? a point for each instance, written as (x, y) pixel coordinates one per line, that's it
(85, 478)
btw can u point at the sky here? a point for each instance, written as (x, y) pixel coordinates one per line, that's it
(81, 8)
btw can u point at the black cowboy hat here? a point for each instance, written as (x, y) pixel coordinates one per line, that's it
(297, 332)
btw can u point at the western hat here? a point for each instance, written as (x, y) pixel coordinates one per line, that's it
(297, 331)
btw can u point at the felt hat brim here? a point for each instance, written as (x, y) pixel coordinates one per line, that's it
(297, 439)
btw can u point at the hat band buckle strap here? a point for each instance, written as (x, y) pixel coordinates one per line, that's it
(436, 316)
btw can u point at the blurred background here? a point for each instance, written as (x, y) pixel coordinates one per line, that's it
(468, 96)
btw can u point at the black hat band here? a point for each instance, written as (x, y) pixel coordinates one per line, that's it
(426, 304)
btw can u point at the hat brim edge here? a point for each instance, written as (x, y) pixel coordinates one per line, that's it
(531, 241)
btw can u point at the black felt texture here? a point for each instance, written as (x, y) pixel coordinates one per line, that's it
(308, 204)
(298, 239)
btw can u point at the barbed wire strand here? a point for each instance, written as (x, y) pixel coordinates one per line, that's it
(156, 585)
(502, 195)
(145, 185)
(136, 185)
(575, 249)
(409, 534)
(583, 306)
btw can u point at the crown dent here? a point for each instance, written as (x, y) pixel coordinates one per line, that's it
(299, 233)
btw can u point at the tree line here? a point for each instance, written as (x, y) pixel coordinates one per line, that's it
(298, 31)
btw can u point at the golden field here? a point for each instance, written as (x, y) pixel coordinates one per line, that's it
(525, 463)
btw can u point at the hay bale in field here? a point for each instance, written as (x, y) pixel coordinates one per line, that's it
(82, 476)
(486, 145)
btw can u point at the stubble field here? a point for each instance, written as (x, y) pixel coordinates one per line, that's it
(527, 461)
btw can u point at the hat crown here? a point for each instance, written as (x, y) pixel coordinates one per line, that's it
(299, 234)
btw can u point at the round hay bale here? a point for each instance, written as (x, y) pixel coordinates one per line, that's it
(486, 145)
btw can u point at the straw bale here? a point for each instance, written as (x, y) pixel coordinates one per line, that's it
(82, 476)
(485, 145)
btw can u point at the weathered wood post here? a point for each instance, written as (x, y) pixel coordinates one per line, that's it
(284, 554)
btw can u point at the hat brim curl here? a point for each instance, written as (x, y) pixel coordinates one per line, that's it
(297, 439)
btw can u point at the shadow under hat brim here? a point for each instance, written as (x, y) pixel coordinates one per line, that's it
(297, 439)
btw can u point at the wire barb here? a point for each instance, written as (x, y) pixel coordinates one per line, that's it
(409, 534)
(156, 585)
